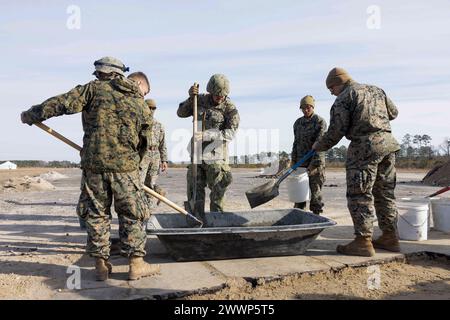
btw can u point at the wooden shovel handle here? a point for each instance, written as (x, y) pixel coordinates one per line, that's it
(57, 135)
(165, 200)
(146, 189)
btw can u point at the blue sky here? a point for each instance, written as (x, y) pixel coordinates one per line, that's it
(274, 53)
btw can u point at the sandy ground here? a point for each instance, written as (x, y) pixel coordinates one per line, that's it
(40, 235)
(418, 278)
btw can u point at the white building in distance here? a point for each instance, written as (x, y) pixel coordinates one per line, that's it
(8, 165)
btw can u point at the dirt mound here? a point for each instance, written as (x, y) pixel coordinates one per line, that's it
(27, 184)
(438, 176)
(52, 175)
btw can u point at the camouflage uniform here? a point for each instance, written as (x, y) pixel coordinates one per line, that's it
(362, 114)
(306, 132)
(219, 123)
(156, 154)
(115, 123)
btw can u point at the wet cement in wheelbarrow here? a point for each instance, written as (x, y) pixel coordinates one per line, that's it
(420, 277)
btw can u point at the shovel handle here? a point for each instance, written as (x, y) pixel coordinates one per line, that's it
(170, 203)
(57, 135)
(146, 189)
(194, 157)
(165, 200)
(295, 166)
(439, 192)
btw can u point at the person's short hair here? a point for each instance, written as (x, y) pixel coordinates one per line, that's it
(139, 75)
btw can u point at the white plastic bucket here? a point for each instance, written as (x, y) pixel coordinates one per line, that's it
(412, 220)
(298, 186)
(440, 209)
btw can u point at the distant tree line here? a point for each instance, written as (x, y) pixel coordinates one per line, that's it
(44, 164)
(416, 151)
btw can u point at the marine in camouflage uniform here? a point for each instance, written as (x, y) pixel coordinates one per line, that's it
(307, 130)
(362, 113)
(156, 156)
(220, 121)
(115, 123)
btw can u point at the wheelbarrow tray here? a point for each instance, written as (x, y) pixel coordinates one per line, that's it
(246, 234)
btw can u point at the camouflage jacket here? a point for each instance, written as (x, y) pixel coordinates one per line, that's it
(306, 132)
(157, 140)
(362, 113)
(115, 121)
(219, 122)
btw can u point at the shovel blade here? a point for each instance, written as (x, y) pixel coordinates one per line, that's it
(196, 209)
(262, 194)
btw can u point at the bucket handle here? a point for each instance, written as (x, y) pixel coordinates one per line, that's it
(418, 225)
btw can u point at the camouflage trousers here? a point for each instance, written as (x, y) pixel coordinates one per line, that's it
(370, 191)
(217, 177)
(149, 170)
(98, 190)
(316, 181)
(149, 167)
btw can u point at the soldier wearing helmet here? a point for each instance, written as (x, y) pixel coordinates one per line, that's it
(115, 124)
(307, 130)
(156, 157)
(109, 67)
(219, 120)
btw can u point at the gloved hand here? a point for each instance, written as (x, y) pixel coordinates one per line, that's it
(198, 136)
(311, 169)
(193, 91)
(26, 118)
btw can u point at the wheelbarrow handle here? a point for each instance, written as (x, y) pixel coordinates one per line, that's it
(305, 158)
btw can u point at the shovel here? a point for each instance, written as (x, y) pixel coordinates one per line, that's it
(194, 206)
(445, 189)
(194, 220)
(266, 192)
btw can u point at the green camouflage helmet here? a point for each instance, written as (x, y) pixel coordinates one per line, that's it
(110, 65)
(218, 85)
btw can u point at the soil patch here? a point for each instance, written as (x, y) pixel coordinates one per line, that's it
(438, 176)
(417, 278)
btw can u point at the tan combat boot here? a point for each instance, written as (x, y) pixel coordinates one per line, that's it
(387, 241)
(139, 268)
(361, 246)
(102, 269)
